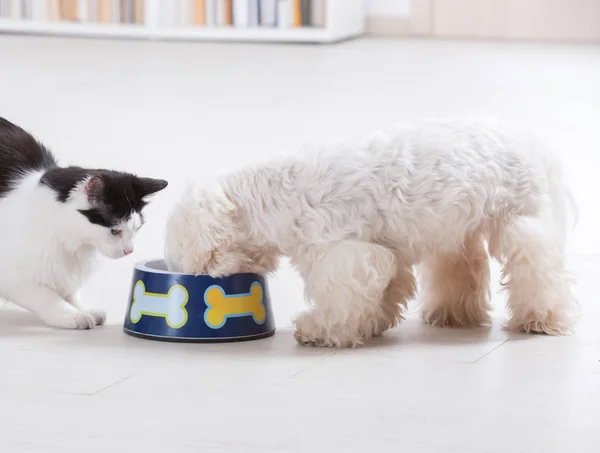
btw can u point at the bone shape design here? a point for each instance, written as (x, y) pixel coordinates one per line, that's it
(221, 306)
(170, 306)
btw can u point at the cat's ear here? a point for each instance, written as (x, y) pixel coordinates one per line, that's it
(149, 186)
(94, 188)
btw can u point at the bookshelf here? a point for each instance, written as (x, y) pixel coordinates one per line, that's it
(336, 20)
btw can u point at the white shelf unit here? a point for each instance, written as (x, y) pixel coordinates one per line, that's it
(344, 19)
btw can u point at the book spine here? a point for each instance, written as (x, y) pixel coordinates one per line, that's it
(318, 13)
(39, 11)
(284, 14)
(16, 10)
(188, 13)
(254, 13)
(178, 12)
(211, 13)
(92, 10)
(241, 13)
(53, 10)
(296, 13)
(104, 11)
(27, 9)
(124, 11)
(115, 11)
(228, 12)
(267, 13)
(68, 10)
(305, 6)
(82, 11)
(200, 12)
(138, 12)
(219, 13)
(181, 17)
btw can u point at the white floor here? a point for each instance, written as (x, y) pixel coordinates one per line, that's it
(176, 110)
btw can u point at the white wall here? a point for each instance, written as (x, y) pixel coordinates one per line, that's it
(388, 8)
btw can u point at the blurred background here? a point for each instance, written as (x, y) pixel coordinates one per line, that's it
(187, 89)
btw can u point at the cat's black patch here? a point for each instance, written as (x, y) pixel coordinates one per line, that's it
(20, 154)
(113, 195)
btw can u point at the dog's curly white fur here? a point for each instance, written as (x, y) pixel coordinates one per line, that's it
(355, 218)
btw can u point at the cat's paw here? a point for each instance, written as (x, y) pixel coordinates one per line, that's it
(98, 315)
(74, 320)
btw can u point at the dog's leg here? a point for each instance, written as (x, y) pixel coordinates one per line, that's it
(400, 291)
(345, 282)
(456, 288)
(539, 294)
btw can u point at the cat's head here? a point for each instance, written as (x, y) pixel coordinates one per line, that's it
(106, 205)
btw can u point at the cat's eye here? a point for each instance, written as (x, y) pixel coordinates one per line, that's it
(115, 232)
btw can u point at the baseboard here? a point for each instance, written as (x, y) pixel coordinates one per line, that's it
(387, 26)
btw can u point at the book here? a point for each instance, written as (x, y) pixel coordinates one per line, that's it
(318, 13)
(268, 13)
(284, 13)
(199, 12)
(53, 10)
(130, 10)
(211, 13)
(241, 13)
(68, 10)
(227, 12)
(305, 6)
(139, 12)
(186, 13)
(126, 11)
(27, 9)
(104, 11)
(219, 13)
(39, 10)
(296, 13)
(15, 10)
(254, 13)
(82, 10)
(115, 11)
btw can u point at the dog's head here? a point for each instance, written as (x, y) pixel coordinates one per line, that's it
(201, 235)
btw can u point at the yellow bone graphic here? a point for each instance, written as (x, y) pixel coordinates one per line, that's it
(221, 306)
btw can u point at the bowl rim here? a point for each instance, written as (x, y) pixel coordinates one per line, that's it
(147, 266)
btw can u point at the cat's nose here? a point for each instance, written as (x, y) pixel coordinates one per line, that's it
(127, 251)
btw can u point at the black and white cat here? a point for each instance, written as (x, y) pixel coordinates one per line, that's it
(54, 220)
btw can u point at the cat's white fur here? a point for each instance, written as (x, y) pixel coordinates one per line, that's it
(355, 218)
(48, 250)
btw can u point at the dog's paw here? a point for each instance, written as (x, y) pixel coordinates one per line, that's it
(470, 309)
(309, 333)
(549, 323)
(308, 340)
(72, 320)
(98, 315)
(453, 316)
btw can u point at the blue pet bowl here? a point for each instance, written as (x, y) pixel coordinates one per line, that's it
(169, 306)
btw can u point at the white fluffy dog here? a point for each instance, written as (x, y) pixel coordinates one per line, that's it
(356, 218)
